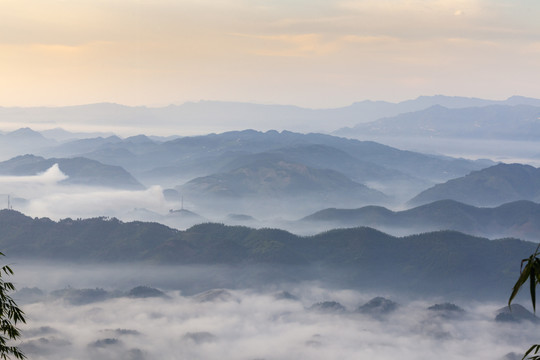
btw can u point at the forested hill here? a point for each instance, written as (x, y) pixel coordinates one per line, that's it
(520, 219)
(437, 262)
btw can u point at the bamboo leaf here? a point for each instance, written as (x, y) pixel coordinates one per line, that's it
(536, 348)
(532, 286)
(525, 273)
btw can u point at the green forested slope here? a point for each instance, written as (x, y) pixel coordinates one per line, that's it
(438, 262)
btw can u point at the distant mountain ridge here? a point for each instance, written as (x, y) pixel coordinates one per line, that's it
(492, 186)
(510, 122)
(276, 178)
(197, 154)
(326, 157)
(208, 159)
(341, 167)
(519, 219)
(225, 116)
(23, 141)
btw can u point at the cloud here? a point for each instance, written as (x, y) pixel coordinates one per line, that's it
(161, 52)
(44, 195)
(32, 186)
(368, 40)
(255, 325)
(405, 7)
(291, 45)
(533, 48)
(75, 201)
(51, 176)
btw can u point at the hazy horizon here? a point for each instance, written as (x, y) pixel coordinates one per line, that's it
(317, 55)
(180, 68)
(268, 103)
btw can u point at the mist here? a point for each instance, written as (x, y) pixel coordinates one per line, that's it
(245, 323)
(57, 202)
(44, 195)
(507, 151)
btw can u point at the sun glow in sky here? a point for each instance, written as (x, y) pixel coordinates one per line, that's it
(317, 53)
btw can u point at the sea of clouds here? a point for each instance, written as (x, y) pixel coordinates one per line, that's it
(263, 324)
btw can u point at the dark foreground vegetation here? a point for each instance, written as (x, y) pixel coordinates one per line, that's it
(442, 262)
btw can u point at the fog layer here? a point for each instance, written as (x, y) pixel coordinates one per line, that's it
(260, 325)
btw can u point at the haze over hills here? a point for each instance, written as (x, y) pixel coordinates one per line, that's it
(79, 171)
(328, 157)
(145, 232)
(274, 178)
(519, 122)
(202, 155)
(444, 262)
(492, 186)
(260, 179)
(215, 116)
(324, 169)
(23, 141)
(230, 160)
(387, 180)
(269, 177)
(61, 135)
(519, 219)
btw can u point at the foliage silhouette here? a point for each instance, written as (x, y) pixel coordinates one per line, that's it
(10, 315)
(530, 270)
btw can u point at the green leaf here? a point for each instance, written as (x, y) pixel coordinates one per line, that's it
(532, 287)
(536, 348)
(525, 273)
(10, 315)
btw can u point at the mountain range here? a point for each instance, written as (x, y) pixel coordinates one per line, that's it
(274, 164)
(278, 183)
(491, 186)
(444, 263)
(323, 170)
(189, 157)
(516, 122)
(206, 116)
(519, 219)
(271, 177)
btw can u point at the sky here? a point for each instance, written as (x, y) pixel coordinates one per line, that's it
(316, 54)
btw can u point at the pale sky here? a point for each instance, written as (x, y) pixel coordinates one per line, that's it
(316, 53)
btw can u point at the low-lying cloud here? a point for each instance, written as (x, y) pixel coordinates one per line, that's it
(51, 176)
(251, 324)
(257, 326)
(32, 185)
(44, 195)
(77, 201)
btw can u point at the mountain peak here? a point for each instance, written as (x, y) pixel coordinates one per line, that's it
(491, 186)
(25, 132)
(139, 139)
